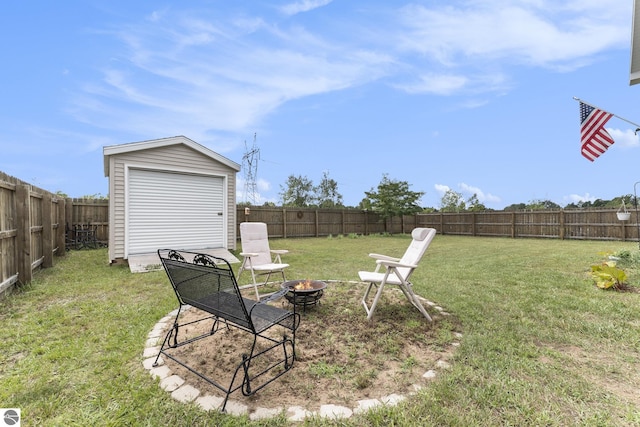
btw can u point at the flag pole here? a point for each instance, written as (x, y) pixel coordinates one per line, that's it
(615, 115)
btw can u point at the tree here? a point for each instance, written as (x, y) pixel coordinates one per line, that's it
(616, 202)
(474, 204)
(365, 204)
(297, 192)
(516, 207)
(392, 198)
(452, 201)
(542, 204)
(326, 193)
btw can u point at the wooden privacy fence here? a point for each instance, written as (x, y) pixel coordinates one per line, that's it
(600, 224)
(31, 230)
(34, 224)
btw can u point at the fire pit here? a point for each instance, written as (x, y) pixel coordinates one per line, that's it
(304, 292)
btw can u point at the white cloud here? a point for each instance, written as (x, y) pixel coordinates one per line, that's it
(471, 47)
(520, 32)
(441, 188)
(263, 185)
(470, 190)
(303, 6)
(624, 138)
(576, 198)
(188, 76)
(467, 191)
(442, 84)
(449, 83)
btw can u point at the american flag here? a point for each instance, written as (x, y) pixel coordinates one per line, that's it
(593, 136)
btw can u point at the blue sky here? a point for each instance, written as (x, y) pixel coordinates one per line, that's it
(474, 96)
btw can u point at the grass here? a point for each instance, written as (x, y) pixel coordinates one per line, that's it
(541, 344)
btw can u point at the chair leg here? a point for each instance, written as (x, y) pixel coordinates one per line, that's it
(366, 297)
(413, 299)
(255, 285)
(371, 309)
(242, 267)
(253, 276)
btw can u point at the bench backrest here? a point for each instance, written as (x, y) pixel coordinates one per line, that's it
(206, 282)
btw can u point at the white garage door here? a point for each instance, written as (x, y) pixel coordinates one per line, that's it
(174, 210)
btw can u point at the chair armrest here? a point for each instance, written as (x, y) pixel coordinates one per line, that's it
(277, 253)
(392, 263)
(248, 254)
(384, 257)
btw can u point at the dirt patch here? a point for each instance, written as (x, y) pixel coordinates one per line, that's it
(340, 356)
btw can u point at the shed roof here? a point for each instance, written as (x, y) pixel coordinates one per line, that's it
(111, 150)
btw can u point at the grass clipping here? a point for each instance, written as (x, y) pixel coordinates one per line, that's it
(341, 357)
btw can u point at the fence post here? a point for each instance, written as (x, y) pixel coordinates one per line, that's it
(366, 223)
(47, 231)
(473, 223)
(61, 234)
(513, 225)
(284, 223)
(562, 220)
(68, 216)
(315, 213)
(23, 238)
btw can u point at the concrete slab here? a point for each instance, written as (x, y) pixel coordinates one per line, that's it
(335, 411)
(186, 393)
(365, 405)
(265, 413)
(209, 402)
(143, 263)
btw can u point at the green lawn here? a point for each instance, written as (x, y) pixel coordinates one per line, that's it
(541, 344)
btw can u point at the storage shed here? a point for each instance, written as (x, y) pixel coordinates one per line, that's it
(169, 193)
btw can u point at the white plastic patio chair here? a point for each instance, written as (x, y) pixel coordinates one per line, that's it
(257, 255)
(397, 271)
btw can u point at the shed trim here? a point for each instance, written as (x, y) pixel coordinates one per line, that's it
(111, 150)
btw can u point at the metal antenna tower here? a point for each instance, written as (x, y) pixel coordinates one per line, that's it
(250, 165)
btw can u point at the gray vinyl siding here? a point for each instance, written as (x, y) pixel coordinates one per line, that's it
(177, 157)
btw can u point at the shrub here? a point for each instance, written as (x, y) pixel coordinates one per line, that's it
(607, 275)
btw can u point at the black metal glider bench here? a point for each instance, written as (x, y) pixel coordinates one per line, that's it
(208, 284)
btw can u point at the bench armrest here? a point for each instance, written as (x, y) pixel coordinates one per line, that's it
(274, 296)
